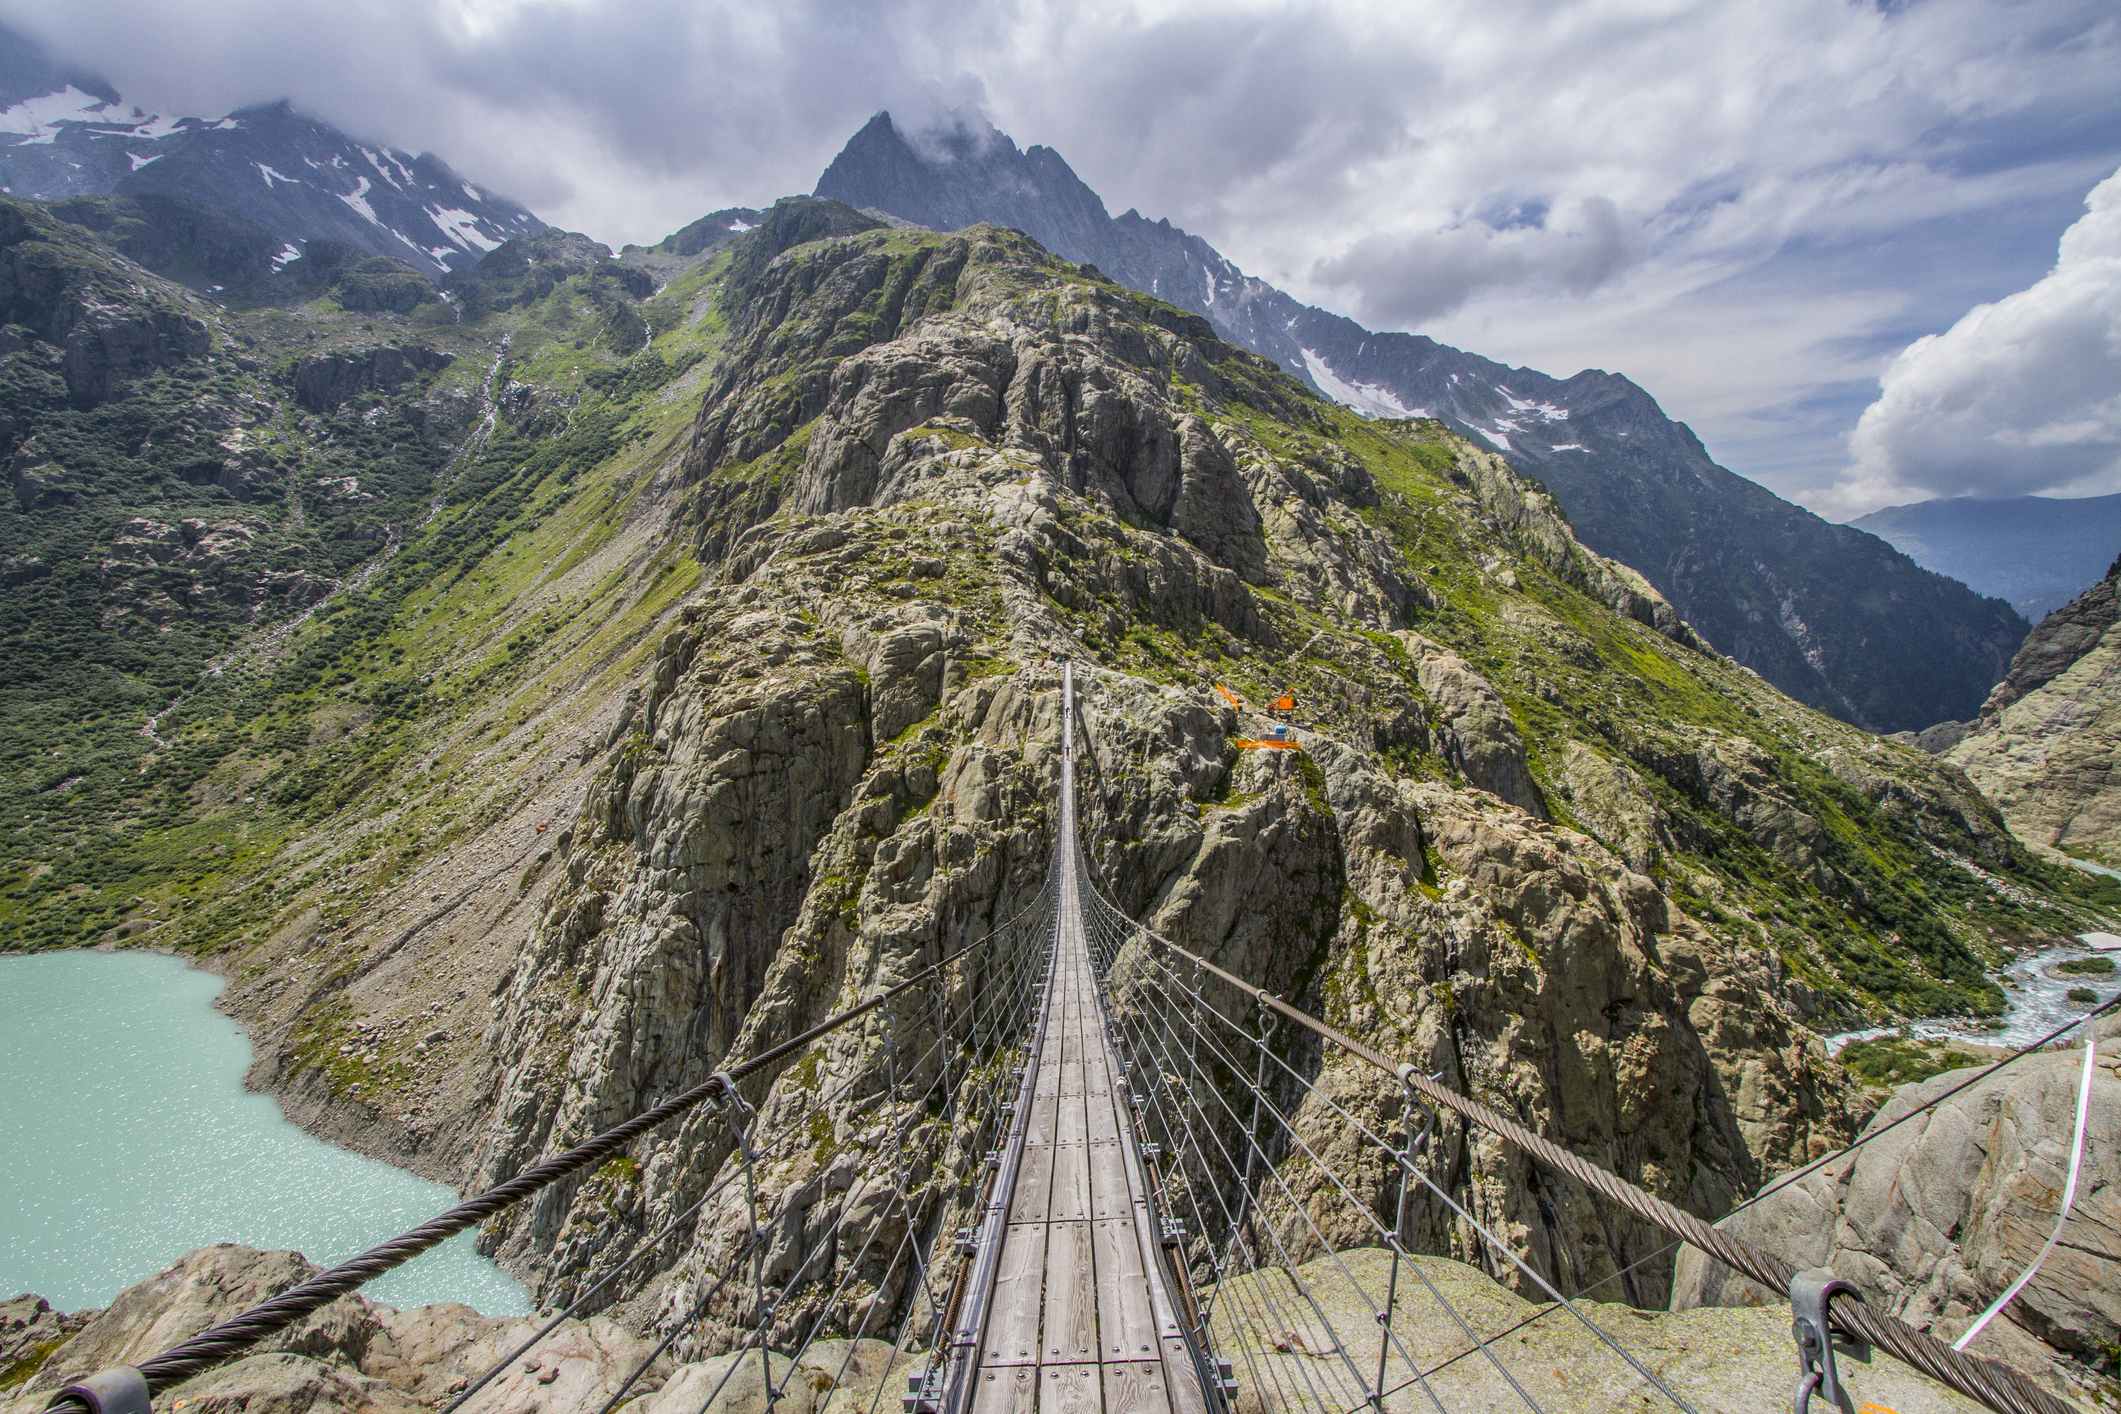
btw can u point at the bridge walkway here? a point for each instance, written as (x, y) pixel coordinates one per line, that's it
(1081, 1320)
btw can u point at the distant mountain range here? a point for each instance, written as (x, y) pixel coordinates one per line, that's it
(2039, 552)
(68, 134)
(1833, 616)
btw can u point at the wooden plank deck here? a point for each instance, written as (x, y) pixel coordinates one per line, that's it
(1080, 1321)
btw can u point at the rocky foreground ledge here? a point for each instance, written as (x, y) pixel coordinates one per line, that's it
(357, 1356)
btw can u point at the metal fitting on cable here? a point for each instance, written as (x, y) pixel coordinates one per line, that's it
(118, 1390)
(731, 1094)
(923, 1391)
(1811, 1294)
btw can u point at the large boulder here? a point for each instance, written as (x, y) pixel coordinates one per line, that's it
(353, 1355)
(2045, 745)
(1933, 1220)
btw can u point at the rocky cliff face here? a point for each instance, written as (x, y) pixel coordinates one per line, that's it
(2044, 745)
(926, 465)
(1836, 618)
(1937, 1218)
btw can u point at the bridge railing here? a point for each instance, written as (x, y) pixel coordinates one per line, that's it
(1291, 1208)
(1294, 1192)
(894, 1139)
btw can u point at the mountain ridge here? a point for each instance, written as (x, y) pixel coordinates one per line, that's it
(544, 708)
(2037, 552)
(67, 134)
(1836, 618)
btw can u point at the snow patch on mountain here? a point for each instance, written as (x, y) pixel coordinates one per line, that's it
(39, 118)
(1546, 411)
(358, 199)
(463, 228)
(1366, 398)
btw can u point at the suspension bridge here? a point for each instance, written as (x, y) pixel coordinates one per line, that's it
(1094, 1194)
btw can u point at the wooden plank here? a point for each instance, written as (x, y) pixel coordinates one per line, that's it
(1069, 1199)
(1006, 1390)
(1071, 1126)
(1011, 1337)
(1163, 1313)
(1181, 1380)
(1111, 1196)
(1136, 1387)
(1045, 1114)
(1126, 1324)
(1070, 1389)
(1070, 1330)
(1034, 1185)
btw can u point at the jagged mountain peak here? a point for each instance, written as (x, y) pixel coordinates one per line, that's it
(64, 134)
(1834, 617)
(963, 171)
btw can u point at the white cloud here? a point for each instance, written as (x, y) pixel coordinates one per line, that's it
(2020, 397)
(1402, 281)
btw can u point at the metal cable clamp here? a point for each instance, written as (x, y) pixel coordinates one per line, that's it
(1811, 1293)
(118, 1390)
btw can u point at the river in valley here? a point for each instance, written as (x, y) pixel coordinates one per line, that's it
(127, 1139)
(2036, 1000)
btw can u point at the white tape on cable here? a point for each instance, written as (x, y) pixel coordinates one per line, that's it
(2069, 1196)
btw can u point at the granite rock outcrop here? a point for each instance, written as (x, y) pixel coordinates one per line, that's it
(2045, 744)
(1935, 1219)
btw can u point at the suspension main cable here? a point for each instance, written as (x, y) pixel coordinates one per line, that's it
(1389, 1335)
(1998, 1386)
(1340, 1184)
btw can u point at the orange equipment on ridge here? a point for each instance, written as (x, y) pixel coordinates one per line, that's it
(1232, 698)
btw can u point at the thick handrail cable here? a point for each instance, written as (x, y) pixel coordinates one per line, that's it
(642, 1249)
(1978, 1074)
(1998, 1386)
(220, 1342)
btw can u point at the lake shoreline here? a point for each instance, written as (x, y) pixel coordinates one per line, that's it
(119, 1199)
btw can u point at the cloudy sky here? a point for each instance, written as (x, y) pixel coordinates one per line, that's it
(1755, 210)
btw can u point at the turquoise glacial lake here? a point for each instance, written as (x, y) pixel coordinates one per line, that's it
(127, 1139)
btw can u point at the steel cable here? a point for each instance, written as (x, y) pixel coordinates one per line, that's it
(237, 1334)
(1998, 1386)
(1289, 1267)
